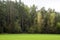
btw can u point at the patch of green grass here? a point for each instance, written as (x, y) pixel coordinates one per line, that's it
(29, 37)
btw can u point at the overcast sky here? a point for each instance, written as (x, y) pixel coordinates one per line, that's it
(54, 4)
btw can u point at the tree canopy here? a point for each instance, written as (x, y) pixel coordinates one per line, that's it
(16, 17)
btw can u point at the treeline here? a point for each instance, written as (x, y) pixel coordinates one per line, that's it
(16, 17)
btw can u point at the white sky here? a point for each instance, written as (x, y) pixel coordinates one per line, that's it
(54, 4)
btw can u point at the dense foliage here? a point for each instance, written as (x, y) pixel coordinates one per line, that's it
(16, 17)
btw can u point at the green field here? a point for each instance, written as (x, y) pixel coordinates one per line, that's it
(29, 37)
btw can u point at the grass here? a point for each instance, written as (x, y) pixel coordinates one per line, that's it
(29, 37)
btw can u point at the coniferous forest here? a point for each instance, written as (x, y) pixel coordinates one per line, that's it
(16, 17)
